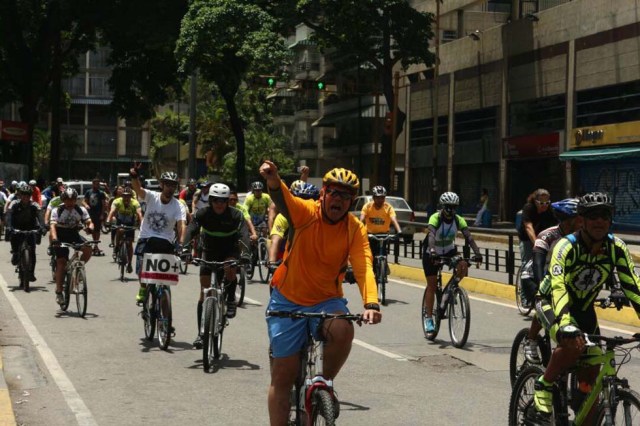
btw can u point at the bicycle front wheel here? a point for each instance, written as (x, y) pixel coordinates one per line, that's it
(323, 410)
(66, 291)
(625, 410)
(522, 307)
(123, 257)
(219, 327)
(521, 404)
(382, 282)
(241, 285)
(25, 268)
(81, 291)
(263, 257)
(459, 317)
(163, 322)
(208, 322)
(149, 313)
(517, 360)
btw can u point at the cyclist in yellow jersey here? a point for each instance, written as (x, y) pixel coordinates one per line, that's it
(257, 204)
(580, 265)
(248, 233)
(127, 212)
(323, 237)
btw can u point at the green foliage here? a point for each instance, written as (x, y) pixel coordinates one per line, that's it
(168, 128)
(261, 145)
(41, 142)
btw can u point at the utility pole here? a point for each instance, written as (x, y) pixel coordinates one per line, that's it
(436, 69)
(394, 132)
(192, 127)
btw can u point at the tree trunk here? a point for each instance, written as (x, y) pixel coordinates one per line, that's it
(238, 132)
(56, 100)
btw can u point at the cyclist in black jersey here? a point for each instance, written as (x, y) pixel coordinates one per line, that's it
(580, 265)
(220, 226)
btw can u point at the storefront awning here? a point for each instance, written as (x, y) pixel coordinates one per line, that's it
(601, 154)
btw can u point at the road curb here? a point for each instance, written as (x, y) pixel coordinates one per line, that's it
(626, 316)
(7, 417)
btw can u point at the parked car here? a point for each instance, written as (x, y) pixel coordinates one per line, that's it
(152, 184)
(81, 186)
(402, 209)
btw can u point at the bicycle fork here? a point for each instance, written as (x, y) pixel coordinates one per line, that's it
(215, 294)
(315, 381)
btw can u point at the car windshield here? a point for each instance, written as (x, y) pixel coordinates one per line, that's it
(398, 203)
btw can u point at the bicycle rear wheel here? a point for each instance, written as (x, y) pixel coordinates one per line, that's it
(123, 257)
(459, 317)
(521, 404)
(435, 315)
(522, 308)
(625, 410)
(163, 322)
(53, 263)
(81, 291)
(241, 285)
(517, 360)
(208, 322)
(322, 408)
(263, 257)
(25, 268)
(149, 313)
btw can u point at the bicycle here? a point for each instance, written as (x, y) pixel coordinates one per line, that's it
(184, 263)
(517, 359)
(526, 269)
(121, 249)
(246, 253)
(261, 253)
(451, 302)
(25, 256)
(617, 403)
(214, 310)
(75, 280)
(313, 400)
(380, 264)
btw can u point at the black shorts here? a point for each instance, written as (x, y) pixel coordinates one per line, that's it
(96, 219)
(429, 268)
(69, 236)
(219, 254)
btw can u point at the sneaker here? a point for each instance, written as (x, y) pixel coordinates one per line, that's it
(59, 298)
(531, 351)
(198, 342)
(231, 309)
(429, 325)
(129, 269)
(543, 396)
(142, 292)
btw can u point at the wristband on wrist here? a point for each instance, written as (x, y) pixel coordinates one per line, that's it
(372, 306)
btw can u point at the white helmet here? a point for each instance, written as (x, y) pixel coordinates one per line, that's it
(219, 190)
(32, 182)
(449, 199)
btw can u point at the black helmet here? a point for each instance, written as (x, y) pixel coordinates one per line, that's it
(257, 186)
(594, 201)
(69, 193)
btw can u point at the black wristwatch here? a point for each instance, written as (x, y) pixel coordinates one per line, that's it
(372, 306)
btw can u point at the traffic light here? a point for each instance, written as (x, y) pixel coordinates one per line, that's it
(320, 85)
(271, 82)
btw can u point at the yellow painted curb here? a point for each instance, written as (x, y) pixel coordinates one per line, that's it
(626, 316)
(7, 418)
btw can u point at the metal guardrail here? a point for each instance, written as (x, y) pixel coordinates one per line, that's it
(506, 260)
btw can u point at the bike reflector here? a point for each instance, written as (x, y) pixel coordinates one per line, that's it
(160, 269)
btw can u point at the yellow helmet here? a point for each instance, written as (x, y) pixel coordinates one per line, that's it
(296, 185)
(342, 177)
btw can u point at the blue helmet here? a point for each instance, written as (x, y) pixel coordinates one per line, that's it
(565, 209)
(307, 191)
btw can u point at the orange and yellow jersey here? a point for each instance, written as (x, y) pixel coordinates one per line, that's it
(378, 221)
(317, 253)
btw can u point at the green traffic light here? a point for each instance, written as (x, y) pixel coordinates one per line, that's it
(320, 85)
(271, 81)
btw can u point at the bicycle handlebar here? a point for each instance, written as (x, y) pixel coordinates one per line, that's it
(321, 315)
(383, 237)
(125, 227)
(77, 246)
(217, 265)
(30, 231)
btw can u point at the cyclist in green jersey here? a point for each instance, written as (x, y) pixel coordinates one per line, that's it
(257, 204)
(126, 211)
(580, 265)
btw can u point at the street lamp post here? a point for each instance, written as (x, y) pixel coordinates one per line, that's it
(436, 69)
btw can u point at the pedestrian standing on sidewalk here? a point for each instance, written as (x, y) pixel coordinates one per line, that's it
(484, 203)
(536, 216)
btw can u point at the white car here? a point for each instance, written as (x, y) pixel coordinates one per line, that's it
(404, 212)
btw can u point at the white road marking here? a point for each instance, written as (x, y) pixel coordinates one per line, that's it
(71, 396)
(250, 301)
(381, 351)
(506, 305)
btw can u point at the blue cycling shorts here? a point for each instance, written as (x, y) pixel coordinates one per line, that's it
(288, 336)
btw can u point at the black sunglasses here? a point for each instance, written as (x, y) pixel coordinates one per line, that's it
(336, 193)
(598, 214)
(218, 200)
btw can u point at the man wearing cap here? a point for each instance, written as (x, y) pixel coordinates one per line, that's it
(36, 196)
(95, 201)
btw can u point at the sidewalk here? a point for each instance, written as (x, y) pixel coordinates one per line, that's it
(7, 417)
(626, 316)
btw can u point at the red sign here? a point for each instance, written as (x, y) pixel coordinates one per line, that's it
(14, 131)
(531, 146)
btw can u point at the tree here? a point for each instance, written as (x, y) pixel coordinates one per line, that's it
(40, 42)
(379, 33)
(228, 41)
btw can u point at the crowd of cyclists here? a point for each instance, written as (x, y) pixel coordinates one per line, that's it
(566, 245)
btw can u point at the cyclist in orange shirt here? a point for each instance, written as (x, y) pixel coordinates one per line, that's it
(323, 238)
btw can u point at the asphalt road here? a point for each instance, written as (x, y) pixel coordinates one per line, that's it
(65, 370)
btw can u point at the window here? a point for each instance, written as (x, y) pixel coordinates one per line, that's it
(98, 85)
(449, 35)
(101, 143)
(473, 125)
(98, 59)
(609, 104)
(75, 86)
(134, 142)
(101, 115)
(536, 116)
(75, 115)
(422, 131)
